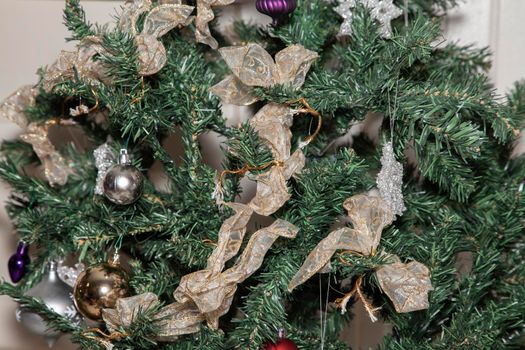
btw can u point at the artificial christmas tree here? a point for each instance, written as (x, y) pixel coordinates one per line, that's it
(205, 270)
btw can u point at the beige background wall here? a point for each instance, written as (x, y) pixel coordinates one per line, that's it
(31, 35)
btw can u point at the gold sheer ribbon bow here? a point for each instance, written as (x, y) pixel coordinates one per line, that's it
(14, 106)
(252, 66)
(81, 62)
(407, 285)
(151, 52)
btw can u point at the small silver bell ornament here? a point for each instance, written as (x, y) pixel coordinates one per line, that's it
(57, 296)
(123, 182)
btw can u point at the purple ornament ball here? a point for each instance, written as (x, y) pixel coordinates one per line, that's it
(276, 9)
(18, 262)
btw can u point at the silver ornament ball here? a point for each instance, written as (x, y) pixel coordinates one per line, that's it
(57, 296)
(123, 182)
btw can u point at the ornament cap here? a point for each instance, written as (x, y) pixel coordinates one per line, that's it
(51, 341)
(282, 333)
(115, 260)
(22, 249)
(123, 157)
(52, 266)
(52, 271)
(277, 9)
(282, 342)
(18, 262)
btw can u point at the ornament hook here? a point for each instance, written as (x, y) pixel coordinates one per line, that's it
(282, 333)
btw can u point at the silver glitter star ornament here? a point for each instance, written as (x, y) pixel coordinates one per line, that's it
(69, 274)
(382, 11)
(104, 159)
(390, 180)
(344, 9)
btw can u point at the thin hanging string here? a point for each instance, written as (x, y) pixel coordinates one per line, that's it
(118, 245)
(142, 92)
(406, 12)
(390, 116)
(97, 101)
(394, 114)
(321, 310)
(103, 338)
(309, 110)
(126, 144)
(326, 308)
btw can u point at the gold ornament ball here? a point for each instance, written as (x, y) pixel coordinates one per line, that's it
(99, 287)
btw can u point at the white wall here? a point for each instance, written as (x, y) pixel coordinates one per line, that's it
(31, 35)
(499, 25)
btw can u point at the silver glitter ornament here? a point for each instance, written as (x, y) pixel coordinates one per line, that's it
(57, 296)
(390, 180)
(123, 182)
(104, 159)
(383, 11)
(70, 274)
(344, 9)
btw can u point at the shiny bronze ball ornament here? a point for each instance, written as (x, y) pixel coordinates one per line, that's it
(123, 182)
(99, 287)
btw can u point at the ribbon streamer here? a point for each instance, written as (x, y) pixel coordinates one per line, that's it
(14, 106)
(204, 16)
(213, 293)
(272, 123)
(151, 52)
(126, 310)
(56, 170)
(159, 21)
(206, 295)
(231, 236)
